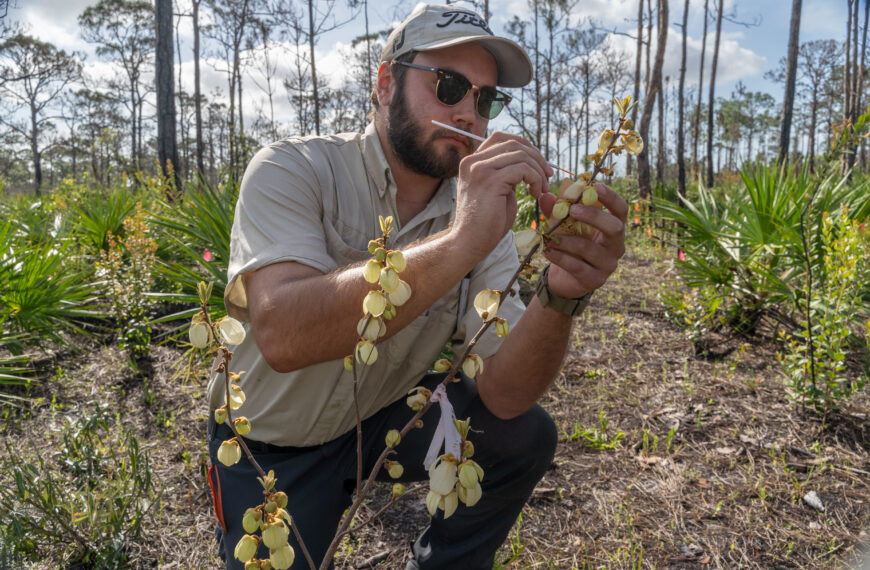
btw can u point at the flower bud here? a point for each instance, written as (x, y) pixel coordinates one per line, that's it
(253, 565)
(502, 327)
(198, 335)
(232, 331)
(243, 425)
(275, 535)
(418, 396)
(251, 520)
(381, 254)
(229, 453)
(628, 124)
(468, 476)
(371, 328)
(525, 240)
(220, 415)
(282, 558)
(372, 271)
(605, 139)
(373, 246)
(395, 469)
(416, 401)
(374, 303)
(398, 489)
(486, 303)
(393, 438)
(590, 196)
(442, 476)
(561, 209)
(348, 363)
(401, 295)
(237, 397)
(366, 352)
(386, 224)
(389, 280)
(280, 499)
(246, 548)
(462, 427)
(389, 312)
(467, 449)
(442, 365)
(469, 496)
(473, 365)
(396, 260)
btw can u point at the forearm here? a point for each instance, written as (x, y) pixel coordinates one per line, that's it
(529, 358)
(300, 322)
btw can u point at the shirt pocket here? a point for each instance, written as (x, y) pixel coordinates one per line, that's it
(343, 249)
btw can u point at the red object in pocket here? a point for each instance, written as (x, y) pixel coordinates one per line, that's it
(215, 483)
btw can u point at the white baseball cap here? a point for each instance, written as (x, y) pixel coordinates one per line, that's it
(433, 26)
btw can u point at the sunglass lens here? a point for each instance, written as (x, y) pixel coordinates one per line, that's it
(489, 103)
(452, 89)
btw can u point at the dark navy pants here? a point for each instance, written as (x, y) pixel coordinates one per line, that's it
(320, 480)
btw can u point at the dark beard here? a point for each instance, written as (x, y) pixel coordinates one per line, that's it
(405, 135)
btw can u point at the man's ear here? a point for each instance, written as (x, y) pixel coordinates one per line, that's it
(385, 83)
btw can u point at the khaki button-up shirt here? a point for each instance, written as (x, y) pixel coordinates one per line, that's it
(316, 201)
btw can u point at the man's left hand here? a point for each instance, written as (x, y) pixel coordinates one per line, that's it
(582, 264)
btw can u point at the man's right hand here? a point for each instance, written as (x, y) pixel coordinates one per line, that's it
(486, 203)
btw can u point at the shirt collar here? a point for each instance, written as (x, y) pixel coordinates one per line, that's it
(375, 160)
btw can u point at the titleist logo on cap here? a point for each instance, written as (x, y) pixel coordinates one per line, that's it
(461, 17)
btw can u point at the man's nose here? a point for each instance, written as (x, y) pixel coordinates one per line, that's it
(465, 112)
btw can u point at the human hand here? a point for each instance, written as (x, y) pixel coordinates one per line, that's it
(486, 201)
(582, 264)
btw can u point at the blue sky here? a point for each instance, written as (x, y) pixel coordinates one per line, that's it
(746, 52)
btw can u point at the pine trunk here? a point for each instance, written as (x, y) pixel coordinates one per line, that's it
(712, 99)
(790, 80)
(167, 151)
(643, 173)
(697, 123)
(681, 130)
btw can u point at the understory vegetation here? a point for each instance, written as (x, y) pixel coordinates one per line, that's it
(712, 409)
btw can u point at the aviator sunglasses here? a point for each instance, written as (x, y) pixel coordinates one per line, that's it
(452, 87)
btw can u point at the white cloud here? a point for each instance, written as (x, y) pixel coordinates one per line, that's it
(734, 62)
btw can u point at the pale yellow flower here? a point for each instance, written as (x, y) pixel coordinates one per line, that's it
(282, 558)
(275, 534)
(374, 303)
(229, 453)
(246, 548)
(198, 335)
(525, 240)
(486, 303)
(232, 331)
(633, 143)
(401, 295)
(366, 352)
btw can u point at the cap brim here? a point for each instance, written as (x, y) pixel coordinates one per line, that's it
(514, 65)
